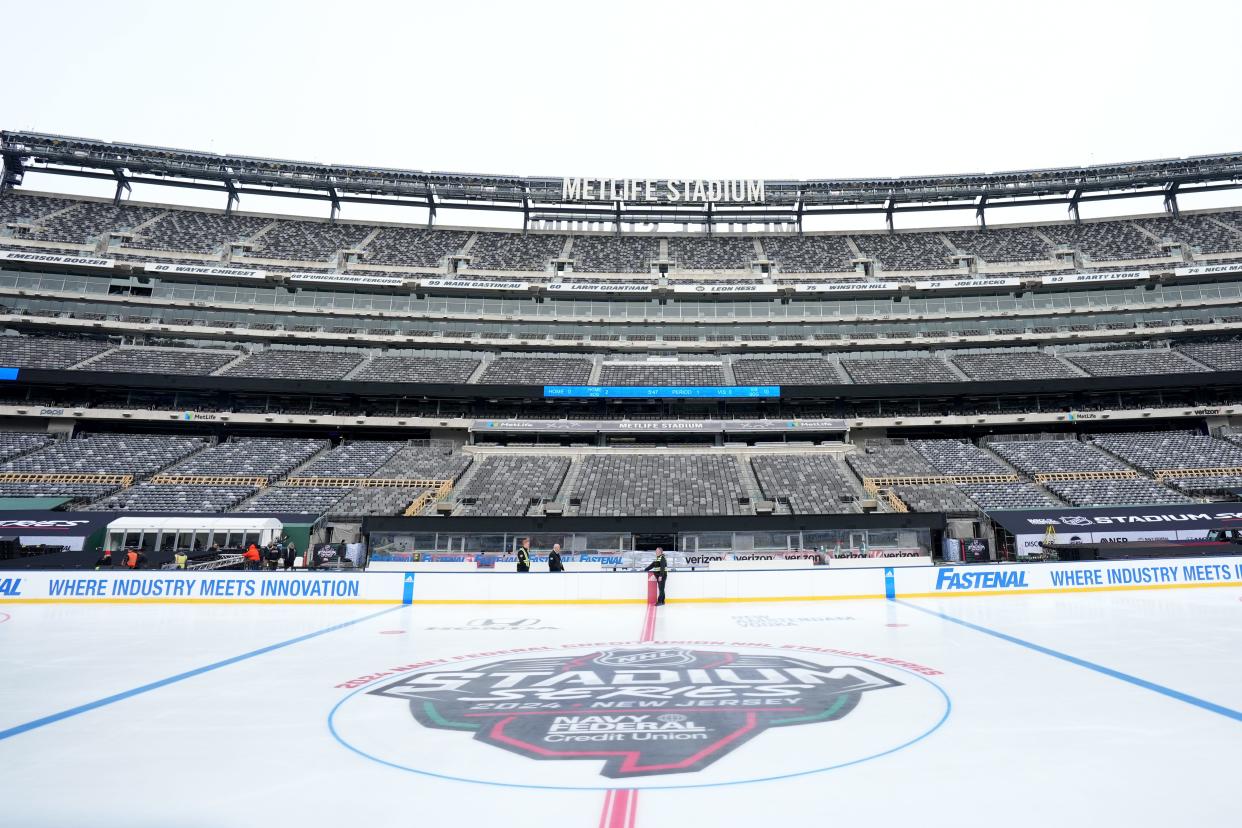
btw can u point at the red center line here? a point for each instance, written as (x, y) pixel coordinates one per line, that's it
(621, 804)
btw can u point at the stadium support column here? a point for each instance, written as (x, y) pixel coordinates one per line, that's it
(1170, 200)
(889, 206)
(1075, 197)
(11, 172)
(335, 195)
(799, 205)
(980, 212)
(234, 197)
(122, 186)
(431, 209)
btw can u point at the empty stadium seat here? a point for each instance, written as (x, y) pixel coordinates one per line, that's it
(660, 485)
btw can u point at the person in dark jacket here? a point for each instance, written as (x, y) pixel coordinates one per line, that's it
(554, 559)
(659, 567)
(523, 556)
(271, 556)
(105, 560)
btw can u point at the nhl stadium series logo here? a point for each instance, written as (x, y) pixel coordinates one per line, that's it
(642, 713)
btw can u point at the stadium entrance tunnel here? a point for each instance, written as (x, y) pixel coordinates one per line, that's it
(648, 542)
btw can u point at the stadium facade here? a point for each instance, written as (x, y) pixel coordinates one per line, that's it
(220, 361)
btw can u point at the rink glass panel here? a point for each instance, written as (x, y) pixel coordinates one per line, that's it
(404, 546)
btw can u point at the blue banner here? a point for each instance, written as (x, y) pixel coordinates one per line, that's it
(8, 373)
(661, 391)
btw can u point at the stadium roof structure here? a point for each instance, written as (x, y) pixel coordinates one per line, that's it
(543, 198)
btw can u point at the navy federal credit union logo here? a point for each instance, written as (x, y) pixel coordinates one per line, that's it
(641, 713)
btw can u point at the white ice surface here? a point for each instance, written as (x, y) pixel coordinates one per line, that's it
(1031, 739)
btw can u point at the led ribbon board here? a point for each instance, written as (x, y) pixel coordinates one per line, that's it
(633, 392)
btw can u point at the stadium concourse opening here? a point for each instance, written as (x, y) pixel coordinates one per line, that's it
(650, 541)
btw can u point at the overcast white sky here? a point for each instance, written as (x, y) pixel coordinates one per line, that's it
(673, 88)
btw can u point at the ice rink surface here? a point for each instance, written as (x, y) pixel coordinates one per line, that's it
(1078, 709)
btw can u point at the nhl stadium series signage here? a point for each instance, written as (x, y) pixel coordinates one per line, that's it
(195, 270)
(1116, 524)
(645, 715)
(1112, 276)
(661, 426)
(348, 279)
(671, 191)
(54, 258)
(634, 392)
(1208, 270)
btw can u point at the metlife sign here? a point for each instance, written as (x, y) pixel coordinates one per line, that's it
(670, 191)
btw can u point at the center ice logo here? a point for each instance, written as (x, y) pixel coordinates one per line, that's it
(644, 711)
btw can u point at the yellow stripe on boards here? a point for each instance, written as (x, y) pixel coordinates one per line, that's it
(320, 601)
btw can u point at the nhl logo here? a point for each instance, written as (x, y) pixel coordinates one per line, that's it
(653, 658)
(660, 715)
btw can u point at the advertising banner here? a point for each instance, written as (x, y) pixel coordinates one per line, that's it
(1114, 524)
(661, 426)
(976, 550)
(164, 586)
(47, 528)
(1088, 576)
(1201, 516)
(659, 391)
